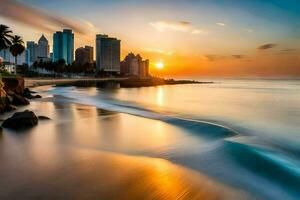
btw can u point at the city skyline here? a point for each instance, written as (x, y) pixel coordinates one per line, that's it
(214, 38)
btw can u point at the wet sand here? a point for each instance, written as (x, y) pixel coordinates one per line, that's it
(88, 153)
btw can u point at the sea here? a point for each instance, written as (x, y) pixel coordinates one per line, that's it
(242, 134)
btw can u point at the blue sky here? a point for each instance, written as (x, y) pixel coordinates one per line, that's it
(208, 33)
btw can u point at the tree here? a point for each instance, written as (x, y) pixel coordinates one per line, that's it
(5, 37)
(17, 48)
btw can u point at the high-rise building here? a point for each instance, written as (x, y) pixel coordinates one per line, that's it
(63, 46)
(135, 66)
(43, 47)
(9, 58)
(82, 56)
(38, 51)
(108, 53)
(91, 53)
(33, 49)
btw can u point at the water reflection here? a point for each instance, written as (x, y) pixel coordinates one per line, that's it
(70, 157)
(160, 96)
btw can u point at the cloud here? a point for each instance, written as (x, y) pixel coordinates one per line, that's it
(220, 24)
(181, 26)
(162, 26)
(266, 46)
(288, 50)
(249, 30)
(37, 18)
(160, 51)
(216, 57)
(238, 56)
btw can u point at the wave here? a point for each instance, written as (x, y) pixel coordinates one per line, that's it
(259, 156)
(207, 129)
(265, 161)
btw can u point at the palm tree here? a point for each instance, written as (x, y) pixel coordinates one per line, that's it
(5, 37)
(17, 48)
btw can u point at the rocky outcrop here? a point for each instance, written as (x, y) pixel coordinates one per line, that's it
(21, 120)
(14, 84)
(18, 100)
(11, 89)
(28, 94)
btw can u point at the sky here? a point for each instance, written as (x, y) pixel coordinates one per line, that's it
(203, 38)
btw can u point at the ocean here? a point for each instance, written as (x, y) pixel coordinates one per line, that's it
(241, 134)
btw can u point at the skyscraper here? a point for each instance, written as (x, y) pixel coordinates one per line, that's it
(82, 56)
(63, 46)
(33, 51)
(108, 53)
(91, 53)
(43, 47)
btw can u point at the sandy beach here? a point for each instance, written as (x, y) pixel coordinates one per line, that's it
(84, 153)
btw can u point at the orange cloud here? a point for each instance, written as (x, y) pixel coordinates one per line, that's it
(17, 11)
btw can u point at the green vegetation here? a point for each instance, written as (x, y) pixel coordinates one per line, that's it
(61, 67)
(14, 43)
(17, 48)
(5, 37)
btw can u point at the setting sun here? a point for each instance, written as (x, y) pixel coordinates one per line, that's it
(159, 65)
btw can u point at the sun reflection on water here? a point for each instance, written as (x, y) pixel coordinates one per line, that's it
(160, 96)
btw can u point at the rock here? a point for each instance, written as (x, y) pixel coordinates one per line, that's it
(28, 94)
(19, 100)
(3, 104)
(9, 99)
(10, 107)
(21, 120)
(43, 118)
(14, 84)
(37, 96)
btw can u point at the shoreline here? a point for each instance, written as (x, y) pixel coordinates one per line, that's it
(86, 159)
(35, 82)
(123, 82)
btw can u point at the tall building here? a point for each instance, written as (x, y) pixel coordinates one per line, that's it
(91, 53)
(63, 46)
(33, 49)
(83, 55)
(43, 47)
(9, 58)
(135, 66)
(108, 53)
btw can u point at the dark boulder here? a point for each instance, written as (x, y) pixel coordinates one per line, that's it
(10, 107)
(21, 120)
(18, 100)
(43, 118)
(37, 96)
(28, 94)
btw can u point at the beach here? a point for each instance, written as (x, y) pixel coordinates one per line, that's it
(136, 143)
(83, 153)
